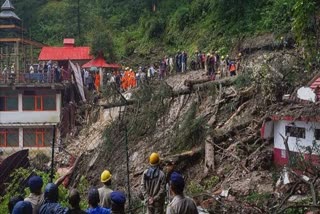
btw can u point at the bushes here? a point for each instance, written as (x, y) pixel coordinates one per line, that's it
(17, 186)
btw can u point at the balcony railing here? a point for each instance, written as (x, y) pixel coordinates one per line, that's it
(25, 78)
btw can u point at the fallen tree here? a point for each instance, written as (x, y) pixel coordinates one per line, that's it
(201, 85)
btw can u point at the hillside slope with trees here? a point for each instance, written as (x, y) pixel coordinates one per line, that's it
(142, 27)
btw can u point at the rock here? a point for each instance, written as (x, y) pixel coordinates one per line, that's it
(207, 204)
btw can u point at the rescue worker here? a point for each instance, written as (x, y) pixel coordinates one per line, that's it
(22, 207)
(97, 82)
(51, 204)
(93, 201)
(232, 69)
(105, 190)
(180, 204)
(74, 201)
(118, 200)
(153, 186)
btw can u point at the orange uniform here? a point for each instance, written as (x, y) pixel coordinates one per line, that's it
(97, 82)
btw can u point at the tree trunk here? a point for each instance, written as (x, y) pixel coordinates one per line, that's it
(209, 156)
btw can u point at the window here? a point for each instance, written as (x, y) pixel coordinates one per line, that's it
(317, 134)
(298, 132)
(9, 137)
(9, 101)
(37, 137)
(39, 102)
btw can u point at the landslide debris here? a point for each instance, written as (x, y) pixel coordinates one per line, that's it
(213, 134)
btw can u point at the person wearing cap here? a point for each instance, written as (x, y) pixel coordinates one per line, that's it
(105, 190)
(118, 200)
(13, 201)
(22, 207)
(36, 197)
(51, 205)
(93, 201)
(153, 186)
(170, 168)
(180, 203)
(74, 201)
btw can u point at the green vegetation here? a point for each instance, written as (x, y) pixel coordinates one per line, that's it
(199, 24)
(17, 187)
(190, 132)
(258, 199)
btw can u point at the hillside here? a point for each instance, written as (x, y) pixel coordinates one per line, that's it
(227, 114)
(151, 29)
(210, 129)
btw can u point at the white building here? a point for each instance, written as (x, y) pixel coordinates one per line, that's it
(303, 136)
(28, 114)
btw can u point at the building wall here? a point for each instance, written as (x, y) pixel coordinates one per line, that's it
(21, 116)
(296, 145)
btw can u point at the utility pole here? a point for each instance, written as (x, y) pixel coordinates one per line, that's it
(52, 153)
(125, 128)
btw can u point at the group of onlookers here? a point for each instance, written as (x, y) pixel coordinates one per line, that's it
(157, 188)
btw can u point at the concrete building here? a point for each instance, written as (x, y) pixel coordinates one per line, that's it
(28, 114)
(302, 131)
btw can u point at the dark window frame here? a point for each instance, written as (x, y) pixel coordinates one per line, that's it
(41, 136)
(39, 102)
(4, 132)
(5, 100)
(294, 131)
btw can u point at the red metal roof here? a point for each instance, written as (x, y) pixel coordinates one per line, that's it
(65, 53)
(100, 62)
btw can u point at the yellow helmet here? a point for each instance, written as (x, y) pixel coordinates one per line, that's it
(154, 159)
(105, 176)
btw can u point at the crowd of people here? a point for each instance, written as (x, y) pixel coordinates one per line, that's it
(157, 190)
(215, 66)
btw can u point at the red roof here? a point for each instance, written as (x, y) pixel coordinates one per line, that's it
(315, 83)
(100, 62)
(65, 53)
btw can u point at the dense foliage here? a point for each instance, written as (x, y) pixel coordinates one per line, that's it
(140, 26)
(18, 186)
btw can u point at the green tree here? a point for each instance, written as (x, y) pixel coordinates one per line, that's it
(102, 43)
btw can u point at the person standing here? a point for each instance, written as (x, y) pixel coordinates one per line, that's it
(105, 190)
(118, 200)
(51, 204)
(93, 201)
(97, 82)
(180, 204)
(36, 197)
(162, 69)
(171, 65)
(74, 201)
(86, 77)
(22, 207)
(184, 58)
(153, 186)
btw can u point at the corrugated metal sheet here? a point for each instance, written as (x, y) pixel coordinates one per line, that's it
(316, 84)
(65, 53)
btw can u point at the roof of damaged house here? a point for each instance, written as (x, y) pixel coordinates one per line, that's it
(309, 112)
